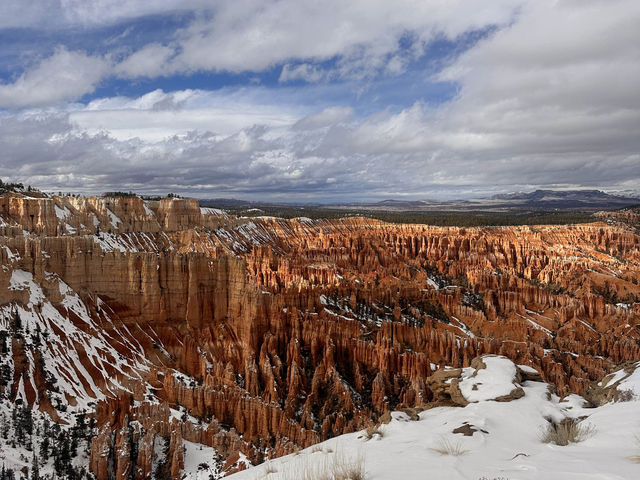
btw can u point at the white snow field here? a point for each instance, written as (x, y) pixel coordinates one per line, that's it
(507, 443)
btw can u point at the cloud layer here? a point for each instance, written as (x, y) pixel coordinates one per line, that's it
(546, 95)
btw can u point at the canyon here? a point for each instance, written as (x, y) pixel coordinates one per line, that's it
(179, 328)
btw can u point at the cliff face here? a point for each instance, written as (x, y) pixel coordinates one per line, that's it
(177, 324)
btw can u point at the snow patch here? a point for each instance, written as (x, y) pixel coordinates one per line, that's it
(115, 221)
(62, 213)
(21, 280)
(489, 383)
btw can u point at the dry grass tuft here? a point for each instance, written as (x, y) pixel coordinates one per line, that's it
(447, 447)
(270, 468)
(346, 469)
(333, 467)
(569, 430)
(626, 395)
(372, 431)
(636, 458)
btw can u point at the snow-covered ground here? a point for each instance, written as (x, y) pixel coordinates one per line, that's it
(21, 454)
(506, 443)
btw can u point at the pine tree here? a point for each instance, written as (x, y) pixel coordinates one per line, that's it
(36, 340)
(44, 447)
(73, 447)
(27, 420)
(35, 470)
(16, 322)
(4, 335)
(16, 420)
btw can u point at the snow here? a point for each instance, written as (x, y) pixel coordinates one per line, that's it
(196, 456)
(62, 213)
(115, 221)
(511, 447)
(126, 242)
(617, 376)
(631, 383)
(213, 211)
(463, 328)
(10, 255)
(536, 325)
(72, 348)
(433, 284)
(527, 369)
(17, 456)
(21, 280)
(494, 381)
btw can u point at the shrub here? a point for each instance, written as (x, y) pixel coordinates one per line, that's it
(626, 395)
(447, 447)
(569, 430)
(270, 469)
(372, 431)
(344, 469)
(334, 467)
(636, 458)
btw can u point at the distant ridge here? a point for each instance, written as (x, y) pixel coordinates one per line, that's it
(566, 199)
(588, 200)
(583, 200)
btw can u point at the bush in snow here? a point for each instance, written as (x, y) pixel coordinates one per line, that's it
(626, 395)
(372, 431)
(334, 467)
(447, 447)
(636, 458)
(569, 430)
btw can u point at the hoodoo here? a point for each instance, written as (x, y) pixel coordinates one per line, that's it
(171, 326)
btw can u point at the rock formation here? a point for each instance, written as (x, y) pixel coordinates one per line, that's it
(169, 323)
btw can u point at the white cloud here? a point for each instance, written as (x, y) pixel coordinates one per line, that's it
(308, 73)
(364, 37)
(549, 99)
(328, 117)
(61, 14)
(146, 62)
(63, 76)
(157, 115)
(251, 35)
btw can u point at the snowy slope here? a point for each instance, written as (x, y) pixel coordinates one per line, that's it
(21, 456)
(506, 444)
(71, 355)
(75, 354)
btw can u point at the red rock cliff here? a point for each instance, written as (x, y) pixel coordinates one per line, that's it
(261, 336)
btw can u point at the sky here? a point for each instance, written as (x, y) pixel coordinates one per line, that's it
(308, 101)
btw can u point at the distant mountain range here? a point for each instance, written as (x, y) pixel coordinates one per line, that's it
(588, 200)
(566, 199)
(584, 200)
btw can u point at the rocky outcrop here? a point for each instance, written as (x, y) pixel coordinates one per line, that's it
(616, 386)
(458, 386)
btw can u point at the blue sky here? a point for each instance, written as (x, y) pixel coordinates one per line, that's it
(21, 48)
(307, 101)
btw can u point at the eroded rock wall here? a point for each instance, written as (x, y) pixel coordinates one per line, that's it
(257, 337)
